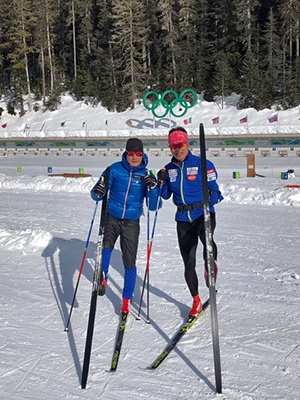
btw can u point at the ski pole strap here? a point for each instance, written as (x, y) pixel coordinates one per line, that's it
(189, 207)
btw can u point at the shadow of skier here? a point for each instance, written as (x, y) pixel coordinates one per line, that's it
(69, 254)
(116, 264)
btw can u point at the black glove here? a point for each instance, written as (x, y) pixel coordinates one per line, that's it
(162, 175)
(150, 181)
(99, 189)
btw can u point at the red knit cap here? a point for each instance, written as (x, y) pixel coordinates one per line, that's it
(178, 137)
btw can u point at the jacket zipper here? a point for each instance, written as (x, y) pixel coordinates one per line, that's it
(126, 197)
(181, 191)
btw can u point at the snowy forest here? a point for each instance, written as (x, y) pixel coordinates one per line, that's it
(114, 51)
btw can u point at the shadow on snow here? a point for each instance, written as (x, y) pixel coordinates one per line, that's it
(61, 277)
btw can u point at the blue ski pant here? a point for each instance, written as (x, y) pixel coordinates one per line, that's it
(128, 231)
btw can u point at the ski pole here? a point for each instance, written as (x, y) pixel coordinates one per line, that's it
(148, 294)
(149, 248)
(148, 257)
(82, 262)
(148, 241)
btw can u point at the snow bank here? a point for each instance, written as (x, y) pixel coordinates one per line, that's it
(267, 191)
(262, 193)
(78, 119)
(42, 183)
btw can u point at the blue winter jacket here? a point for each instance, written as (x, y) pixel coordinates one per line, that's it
(127, 190)
(184, 181)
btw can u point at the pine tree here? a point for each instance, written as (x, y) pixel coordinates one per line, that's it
(20, 35)
(46, 13)
(249, 82)
(82, 41)
(202, 50)
(63, 46)
(153, 49)
(103, 68)
(246, 13)
(290, 15)
(187, 23)
(271, 61)
(168, 19)
(6, 18)
(222, 77)
(129, 35)
(222, 40)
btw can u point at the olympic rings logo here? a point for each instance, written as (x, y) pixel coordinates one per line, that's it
(178, 100)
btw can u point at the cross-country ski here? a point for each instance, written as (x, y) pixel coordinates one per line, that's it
(177, 337)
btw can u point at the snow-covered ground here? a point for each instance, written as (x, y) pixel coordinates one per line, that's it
(80, 119)
(44, 222)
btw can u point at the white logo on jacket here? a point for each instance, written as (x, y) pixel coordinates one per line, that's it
(192, 170)
(173, 173)
(211, 175)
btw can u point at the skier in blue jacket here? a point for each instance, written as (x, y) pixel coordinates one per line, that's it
(182, 179)
(129, 181)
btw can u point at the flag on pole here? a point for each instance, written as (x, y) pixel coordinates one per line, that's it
(106, 122)
(243, 120)
(215, 120)
(274, 118)
(26, 127)
(4, 125)
(62, 123)
(42, 127)
(187, 121)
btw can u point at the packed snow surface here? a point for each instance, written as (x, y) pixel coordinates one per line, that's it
(44, 224)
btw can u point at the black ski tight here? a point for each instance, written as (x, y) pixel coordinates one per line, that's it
(188, 234)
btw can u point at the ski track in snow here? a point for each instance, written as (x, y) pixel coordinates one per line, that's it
(43, 227)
